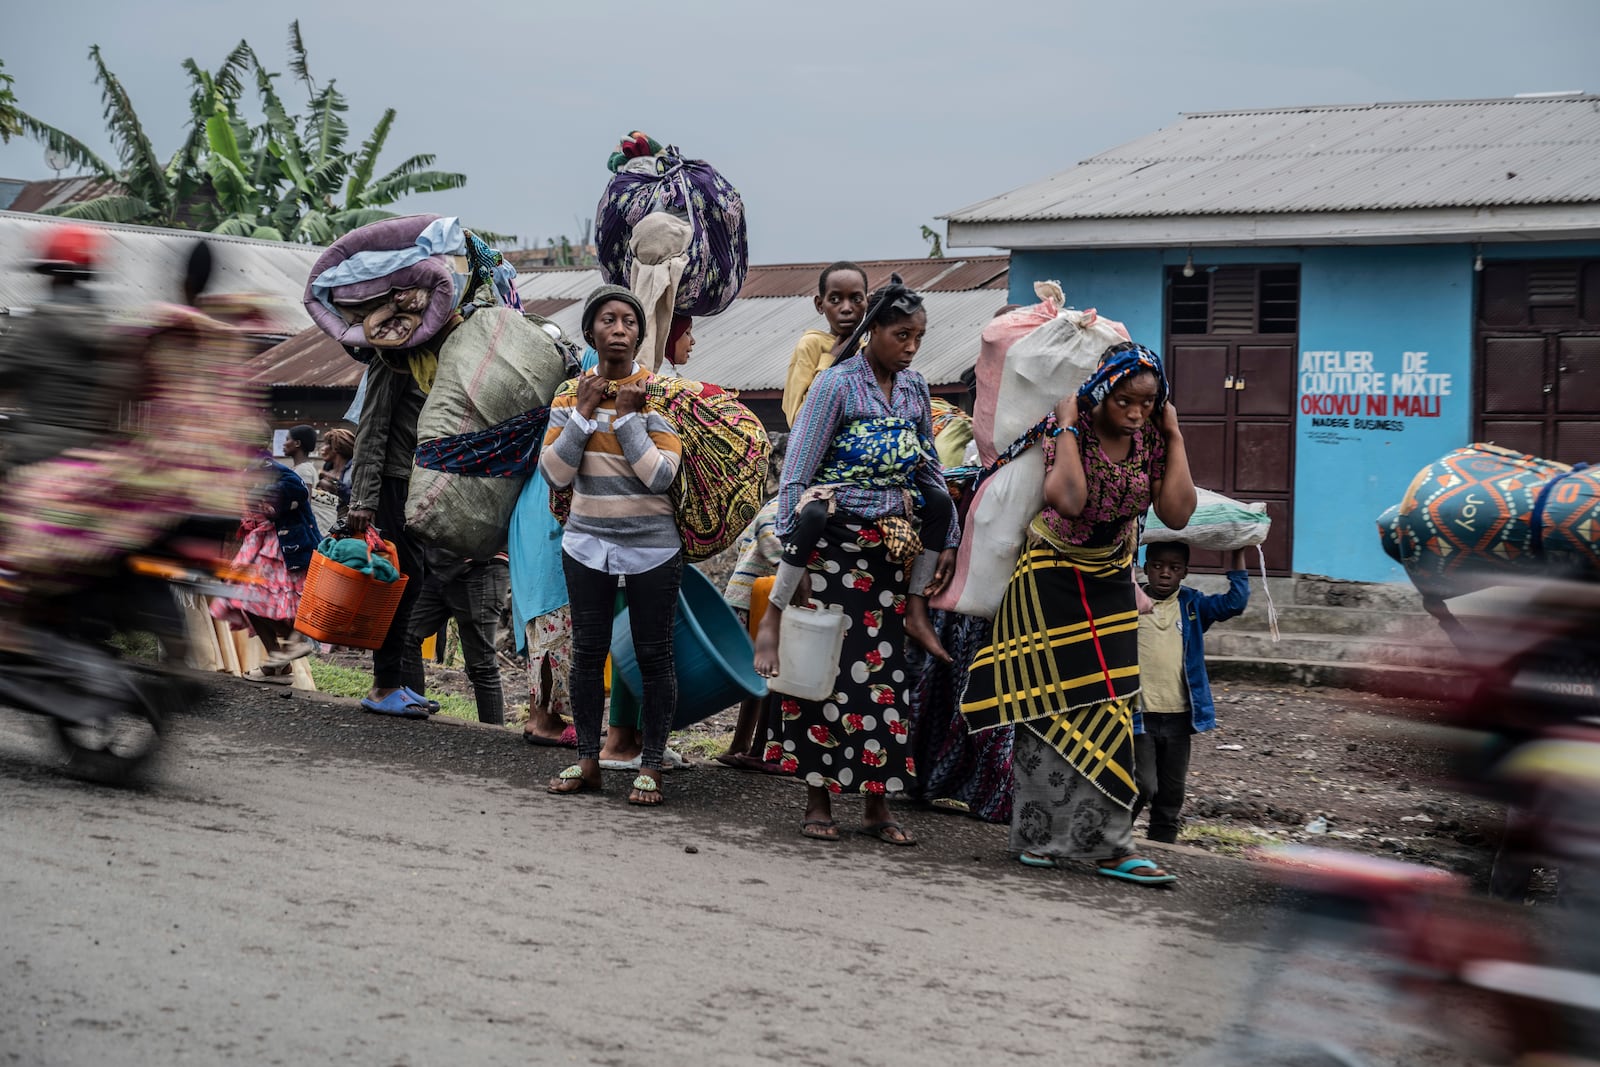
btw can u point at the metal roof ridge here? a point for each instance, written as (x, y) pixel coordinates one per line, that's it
(1387, 150)
(1298, 108)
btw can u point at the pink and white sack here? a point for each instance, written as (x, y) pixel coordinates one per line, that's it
(1031, 358)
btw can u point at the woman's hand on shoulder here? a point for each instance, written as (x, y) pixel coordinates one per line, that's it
(591, 392)
(630, 399)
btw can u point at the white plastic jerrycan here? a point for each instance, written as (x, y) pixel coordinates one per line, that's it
(810, 643)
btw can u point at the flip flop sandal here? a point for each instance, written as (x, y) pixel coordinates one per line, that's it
(261, 674)
(646, 784)
(880, 830)
(823, 824)
(1033, 859)
(568, 739)
(574, 772)
(1128, 870)
(397, 704)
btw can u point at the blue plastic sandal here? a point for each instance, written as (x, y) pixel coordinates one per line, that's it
(1128, 870)
(418, 698)
(399, 704)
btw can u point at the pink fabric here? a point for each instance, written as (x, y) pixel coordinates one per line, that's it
(1002, 332)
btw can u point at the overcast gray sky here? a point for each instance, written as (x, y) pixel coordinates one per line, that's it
(845, 125)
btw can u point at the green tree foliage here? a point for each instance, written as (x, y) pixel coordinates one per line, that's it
(283, 176)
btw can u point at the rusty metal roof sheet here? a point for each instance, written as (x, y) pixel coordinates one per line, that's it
(308, 360)
(1427, 154)
(795, 279)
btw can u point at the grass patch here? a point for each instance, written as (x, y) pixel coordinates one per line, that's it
(339, 681)
(700, 746)
(1230, 840)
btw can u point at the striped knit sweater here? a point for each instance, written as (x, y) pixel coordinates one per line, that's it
(619, 476)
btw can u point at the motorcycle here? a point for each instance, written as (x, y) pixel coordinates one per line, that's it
(81, 662)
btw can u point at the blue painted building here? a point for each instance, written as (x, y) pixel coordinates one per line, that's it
(1343, 294)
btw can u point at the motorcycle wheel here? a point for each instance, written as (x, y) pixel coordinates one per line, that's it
(116, 749)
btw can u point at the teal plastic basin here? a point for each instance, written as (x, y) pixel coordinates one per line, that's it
(714, 657)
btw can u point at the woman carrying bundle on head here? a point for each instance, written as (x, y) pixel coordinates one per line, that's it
(1063, 663)
(860, 468)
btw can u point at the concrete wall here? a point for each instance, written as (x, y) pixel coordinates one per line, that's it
(1386, 365)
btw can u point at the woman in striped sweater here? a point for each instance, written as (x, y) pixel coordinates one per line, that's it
(620, 460)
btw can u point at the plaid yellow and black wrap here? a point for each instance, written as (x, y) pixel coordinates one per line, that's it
(1064, 660)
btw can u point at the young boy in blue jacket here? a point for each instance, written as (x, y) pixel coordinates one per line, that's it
(1175, 691)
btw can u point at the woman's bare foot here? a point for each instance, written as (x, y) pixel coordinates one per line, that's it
(646, 798)
(622, 743)
(919, 628)
(818, 822)
(544, 724)
(767, 642)
(588, 780)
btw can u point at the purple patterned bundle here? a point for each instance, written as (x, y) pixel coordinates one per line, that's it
(718, 253)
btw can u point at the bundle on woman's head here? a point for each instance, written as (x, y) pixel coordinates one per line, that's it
(886, 305)
(1119, 363)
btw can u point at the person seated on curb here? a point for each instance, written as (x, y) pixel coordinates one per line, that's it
(1175, 694)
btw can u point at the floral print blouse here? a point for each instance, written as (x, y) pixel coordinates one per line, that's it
(1119, 493)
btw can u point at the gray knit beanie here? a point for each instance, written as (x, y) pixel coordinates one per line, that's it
(605, 293)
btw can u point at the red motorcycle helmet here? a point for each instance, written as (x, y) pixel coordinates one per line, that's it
(70, 249)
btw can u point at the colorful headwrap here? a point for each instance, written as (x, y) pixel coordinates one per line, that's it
(1119, 362)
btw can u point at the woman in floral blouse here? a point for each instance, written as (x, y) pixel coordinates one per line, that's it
(1063, 663)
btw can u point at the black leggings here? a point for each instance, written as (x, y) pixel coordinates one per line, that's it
(652, 610)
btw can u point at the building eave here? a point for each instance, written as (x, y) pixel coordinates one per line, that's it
(1538, 222)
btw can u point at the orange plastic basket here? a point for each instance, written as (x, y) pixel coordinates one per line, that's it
(343, 606)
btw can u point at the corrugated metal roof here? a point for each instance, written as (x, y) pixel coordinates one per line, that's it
(144, 265)
(795, 279)
(308, 360)
(1431, 154)
(748, 346)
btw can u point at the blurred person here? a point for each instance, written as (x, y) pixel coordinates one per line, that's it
(101, 478)
(298, 449)
(473, 593)
(70, 372)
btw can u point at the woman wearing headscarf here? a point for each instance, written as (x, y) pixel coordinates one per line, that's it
(1063, 663)
(865, 435)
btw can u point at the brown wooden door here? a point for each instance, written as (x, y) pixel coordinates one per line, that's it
(1539, 358)
(1231, 354)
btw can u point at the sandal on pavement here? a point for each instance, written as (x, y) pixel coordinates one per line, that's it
(568, 738)
(573, 773)
(647, 786)
(889, 832)
(282, 676)
(398, 704)
(1128, 870)
(816, 829)
(1034, 859)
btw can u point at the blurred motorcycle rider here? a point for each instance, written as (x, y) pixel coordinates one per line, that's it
(70, 377)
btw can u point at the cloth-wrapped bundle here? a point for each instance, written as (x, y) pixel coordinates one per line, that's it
(1031, 358)
(494, 366)
(1484, 511)
(725, 448)
(716, 258)
(395, 283)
